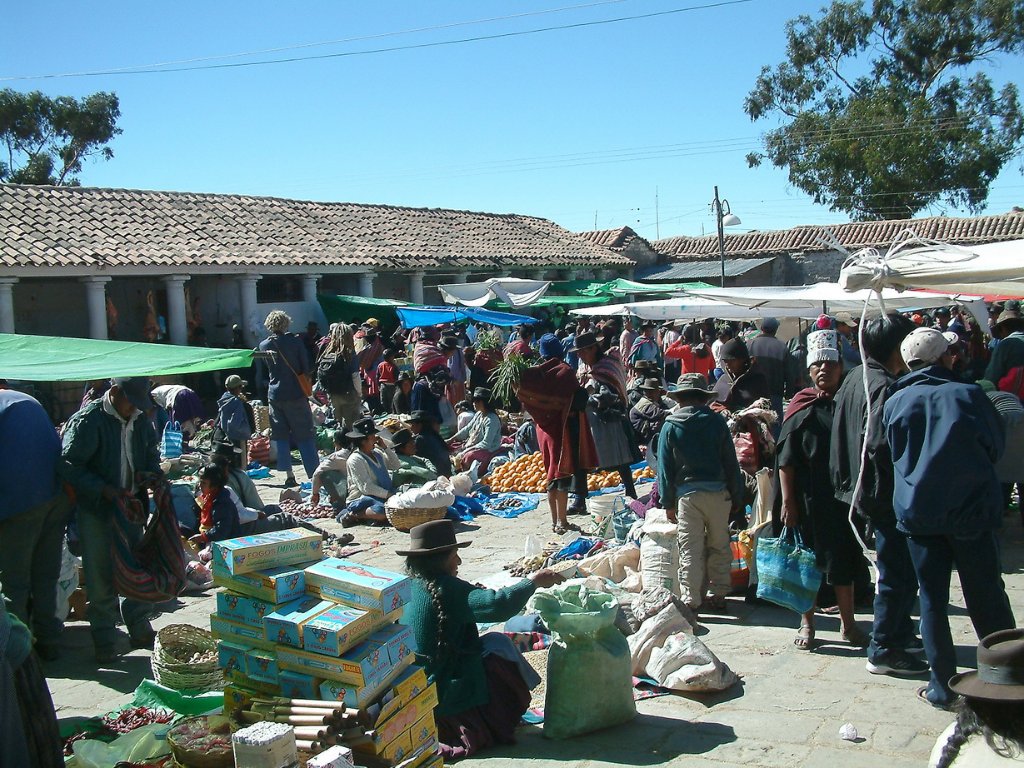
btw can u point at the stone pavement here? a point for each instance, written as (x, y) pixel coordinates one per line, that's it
(787, 710)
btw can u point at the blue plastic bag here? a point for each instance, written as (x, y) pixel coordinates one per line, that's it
(786, 572)
(170, 443)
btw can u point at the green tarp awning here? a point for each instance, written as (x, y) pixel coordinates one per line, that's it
(346, 309)
(621, 287)
(55, 358)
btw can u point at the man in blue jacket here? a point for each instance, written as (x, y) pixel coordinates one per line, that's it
(945, 437)
(700, 484)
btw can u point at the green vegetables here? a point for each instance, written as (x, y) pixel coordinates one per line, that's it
(504, 379)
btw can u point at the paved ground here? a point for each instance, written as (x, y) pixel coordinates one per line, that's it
(786, 712)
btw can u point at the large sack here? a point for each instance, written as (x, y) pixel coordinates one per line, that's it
(654, 631)
(613, 564)
(684, 663)
(659, 552)
(589, 684)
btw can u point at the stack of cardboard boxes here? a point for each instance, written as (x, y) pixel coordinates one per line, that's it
(291, 624)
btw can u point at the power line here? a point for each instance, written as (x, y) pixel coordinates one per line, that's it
(391, 49)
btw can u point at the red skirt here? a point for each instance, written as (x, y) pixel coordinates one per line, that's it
(472, 730)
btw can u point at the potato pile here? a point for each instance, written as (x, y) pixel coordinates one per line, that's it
(527, 475)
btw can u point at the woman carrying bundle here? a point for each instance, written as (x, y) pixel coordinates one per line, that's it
(483, 684)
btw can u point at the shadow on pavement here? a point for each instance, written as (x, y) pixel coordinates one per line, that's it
(646, 740)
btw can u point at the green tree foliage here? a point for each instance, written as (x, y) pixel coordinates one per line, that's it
(48, 139)
(884, 106)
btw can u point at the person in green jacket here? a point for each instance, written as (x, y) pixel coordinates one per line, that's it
(109, 447)
(415, 470)
(483, 684)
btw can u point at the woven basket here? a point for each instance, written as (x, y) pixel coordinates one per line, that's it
(194, 758)
(186, 640)
(261, 415)
(404, 519)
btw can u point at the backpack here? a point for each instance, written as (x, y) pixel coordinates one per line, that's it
(334, 373)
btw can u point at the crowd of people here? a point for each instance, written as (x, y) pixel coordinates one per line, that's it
(854, 425)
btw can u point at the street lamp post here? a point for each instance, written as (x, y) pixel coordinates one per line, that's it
(724, 218)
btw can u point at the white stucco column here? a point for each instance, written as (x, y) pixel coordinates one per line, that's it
(309, 287)
(416, 287)
(96, 301)
(366, 283)
(7, 304)
(247, 305)
(177, 327)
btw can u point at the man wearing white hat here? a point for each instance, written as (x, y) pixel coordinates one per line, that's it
(945, 437)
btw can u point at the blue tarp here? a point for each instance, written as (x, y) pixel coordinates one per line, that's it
(418, 317)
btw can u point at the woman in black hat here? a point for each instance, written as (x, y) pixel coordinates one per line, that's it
(401, 401)
(481, 437)
(368, 471)
(483, 684)
(989, 726)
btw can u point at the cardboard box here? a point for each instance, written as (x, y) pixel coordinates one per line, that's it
(337, 629)
(298, 685)
(261, 666)
(240, 634)
(267, 550)
(285, 624)
(403, 690)
(231, 656)
(243, 609)
(363, 586)
(359, 697)
(275, 585)
(424, 731)
(409, 718)
(238, 696)
(372, 658)
(239, 677)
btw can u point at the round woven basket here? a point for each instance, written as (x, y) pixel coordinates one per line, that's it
(195, 758)
(182, 641)
(404, 519)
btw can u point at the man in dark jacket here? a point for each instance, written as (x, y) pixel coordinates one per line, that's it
(107, 446)
(945, 437)
(893, 630)
(429, 443)
(648, 413)
(700, 484)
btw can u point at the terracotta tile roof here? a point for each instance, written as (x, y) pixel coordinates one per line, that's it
(616, 239)
(978, 229)
(81, 226)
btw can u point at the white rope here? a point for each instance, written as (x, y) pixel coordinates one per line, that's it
(914, 251)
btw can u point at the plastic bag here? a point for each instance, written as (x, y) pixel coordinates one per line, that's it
(613, 564)
(622, 518)
(170, 443)
(588, 655)
(139, 746)
(659, 552)
(786, 571)
(67, 582)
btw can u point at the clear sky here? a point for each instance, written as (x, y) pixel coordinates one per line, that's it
(590, 126)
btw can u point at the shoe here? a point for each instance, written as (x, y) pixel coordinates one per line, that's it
(291, 482)
(922, 694)
(349, 520)
(107, 654)
(580, 509)
(715, 604)
(144, 639)
(856, 636)
(914, 645)
(896, 663)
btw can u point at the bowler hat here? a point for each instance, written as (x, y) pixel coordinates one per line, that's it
(1000, 673)
(584, 340)
(482, 393)
(362, 428)
(432, 537)
(403, 376)
(421, 417)
(650, 385)
(401, 437)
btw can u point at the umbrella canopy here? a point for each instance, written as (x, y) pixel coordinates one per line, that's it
(828, 298)
(995, 269)
(510, 290)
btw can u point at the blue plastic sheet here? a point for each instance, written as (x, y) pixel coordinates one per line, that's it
(418, 317)
(576, 549)
(464, 508)
(258, 473)
(526, 502)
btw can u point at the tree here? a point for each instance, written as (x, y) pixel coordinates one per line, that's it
(885, 109)
(48, 139)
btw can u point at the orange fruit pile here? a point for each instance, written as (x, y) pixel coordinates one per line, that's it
(643, 474)
(527, 475)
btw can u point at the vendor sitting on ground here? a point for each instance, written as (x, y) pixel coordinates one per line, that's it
(331, 473)
(369, 476)
(483, 684)
(226, 456)
(481, 438)
(429, 443)
(414, 470)
(223, 516)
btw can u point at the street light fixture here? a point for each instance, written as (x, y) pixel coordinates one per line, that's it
(724, 218)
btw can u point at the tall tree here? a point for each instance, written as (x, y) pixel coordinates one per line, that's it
(884, 106)
(48, 139)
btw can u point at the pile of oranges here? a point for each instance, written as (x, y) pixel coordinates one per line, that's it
(527, 475)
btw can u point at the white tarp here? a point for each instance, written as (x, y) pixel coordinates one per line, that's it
(691, 308)
(827, 298)
(994, 269)
(511, 290)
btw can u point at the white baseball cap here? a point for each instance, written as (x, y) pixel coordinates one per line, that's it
(924, 346)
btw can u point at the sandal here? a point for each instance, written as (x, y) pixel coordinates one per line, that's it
(804, 639)
(558, 530)
(857, 637)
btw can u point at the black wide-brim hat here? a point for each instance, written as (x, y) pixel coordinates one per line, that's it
(362, 429)
(431, 538)
(1000, 673)
(584, 340)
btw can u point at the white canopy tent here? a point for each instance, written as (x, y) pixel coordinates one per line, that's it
(513, 291)
(689, 308)
(994, 269)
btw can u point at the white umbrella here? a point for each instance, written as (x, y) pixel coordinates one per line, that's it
(828, 298)
(511, 290)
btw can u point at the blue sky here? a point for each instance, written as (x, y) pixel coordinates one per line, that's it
(585, 126)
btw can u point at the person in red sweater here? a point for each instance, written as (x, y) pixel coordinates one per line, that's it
(693, 354)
